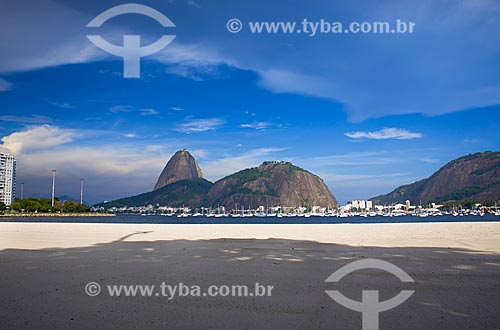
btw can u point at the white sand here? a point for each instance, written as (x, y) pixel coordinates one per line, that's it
(481, 236)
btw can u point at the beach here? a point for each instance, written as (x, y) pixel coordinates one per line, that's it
(46, 266)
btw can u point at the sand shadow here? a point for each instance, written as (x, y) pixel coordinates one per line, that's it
(454, 288)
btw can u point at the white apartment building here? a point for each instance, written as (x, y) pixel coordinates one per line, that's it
(360, 204)
(7, 178)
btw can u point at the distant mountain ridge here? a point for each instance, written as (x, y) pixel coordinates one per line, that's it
(473, 177)
(270, 184)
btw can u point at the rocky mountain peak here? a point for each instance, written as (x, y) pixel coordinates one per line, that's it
(182, 166)
(273, 183)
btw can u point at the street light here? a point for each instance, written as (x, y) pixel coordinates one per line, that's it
(81, 191)
(53, 186)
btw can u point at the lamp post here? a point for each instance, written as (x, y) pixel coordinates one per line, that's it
(81, 191)
(53, 186)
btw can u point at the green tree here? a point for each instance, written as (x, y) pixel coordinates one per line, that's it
(70, 206)
(17, 205)
(83, 208)
(31, 205)
(3, 207)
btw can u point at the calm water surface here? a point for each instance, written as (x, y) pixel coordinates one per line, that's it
(158, 219)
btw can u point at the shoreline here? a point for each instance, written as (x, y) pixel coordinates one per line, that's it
(22, 215)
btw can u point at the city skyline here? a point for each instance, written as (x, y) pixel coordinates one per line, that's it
(367, 113)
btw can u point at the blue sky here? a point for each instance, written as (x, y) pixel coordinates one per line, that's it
(366, 112)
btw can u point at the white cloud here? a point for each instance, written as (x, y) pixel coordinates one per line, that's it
(384, 134)
(199, 153)
(111, 170)
(196, 55)
(129, 135)
(129, 108)
(177, 108)
(62, 105)
(257, 125)
(193, 3)
(280, 81)
(121, 108)
(192, 61)
(194, 71)
(192, 125)
(27, 119)
(36, 138)
(5, 85)
(149, 112)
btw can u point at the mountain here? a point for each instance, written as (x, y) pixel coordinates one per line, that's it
(190, 193)
(473, 177)
(271, 184)
(182, 166)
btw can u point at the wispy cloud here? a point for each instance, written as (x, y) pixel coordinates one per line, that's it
(34, 119)
(197, 62)
(149, 112)
(121, 108)
(200, 153)
(261, 125)
(279, 81)
(177, 108)
(129, 109)
(192, 125)
(195, 55)
(129, 135)
(384, 134)
(5, 85)
(62, 105)
(193, 3)
(194, 71)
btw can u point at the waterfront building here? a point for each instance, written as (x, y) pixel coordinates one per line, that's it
(7, 178)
